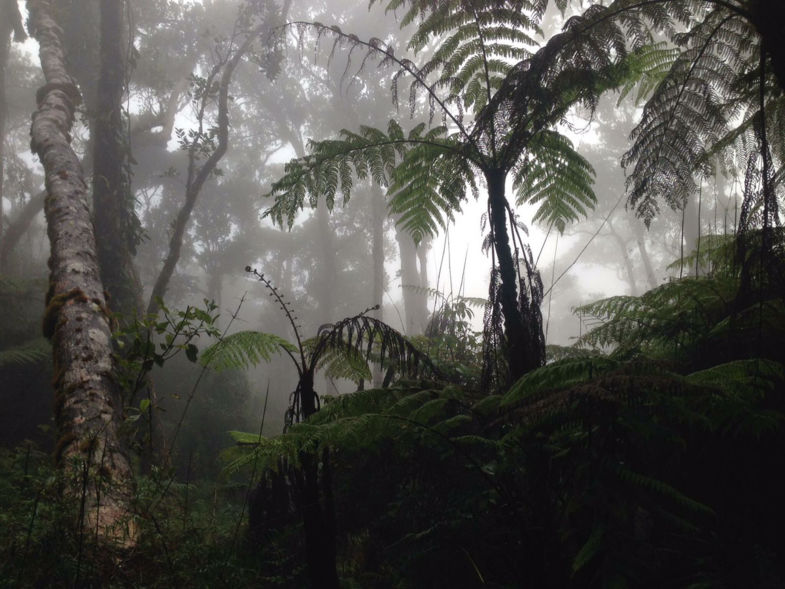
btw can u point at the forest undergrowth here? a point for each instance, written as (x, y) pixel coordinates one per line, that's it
(646, 455)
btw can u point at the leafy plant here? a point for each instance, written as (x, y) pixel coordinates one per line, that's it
(499, 104)
(344, 347)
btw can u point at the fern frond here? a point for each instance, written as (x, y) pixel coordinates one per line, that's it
(344, 362)
(557, 178)
(688, 113)
(560, 374)
(367, 336)
(664, 490)
(741, 377)
(429, 185)
(426, 179)
(663, 320)
(244, 349)
(32, 353)
(650, 65)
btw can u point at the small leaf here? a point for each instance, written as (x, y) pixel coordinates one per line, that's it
(191, 352)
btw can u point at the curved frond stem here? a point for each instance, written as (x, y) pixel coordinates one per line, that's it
(769, 199)
(302, 364)
(405, 65)
(488, 87)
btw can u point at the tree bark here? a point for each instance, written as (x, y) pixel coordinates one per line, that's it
(767, 17)
(115, 233)
(651, 278)
(87, 399)
(326, 273)
(378, 213)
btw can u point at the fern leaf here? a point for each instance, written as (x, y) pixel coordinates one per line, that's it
(589, 550)
(32, 353)
(558, 375)
(243, 350)
(557, 178)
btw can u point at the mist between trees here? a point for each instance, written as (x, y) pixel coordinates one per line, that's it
(414, 294)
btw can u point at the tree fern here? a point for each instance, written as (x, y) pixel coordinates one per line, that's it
(344, 349)
(486, 64)
(722, 75)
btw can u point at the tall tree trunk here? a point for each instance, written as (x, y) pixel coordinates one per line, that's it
(691, 228)
(327, 271)
(378, 211)
(651, 277)
(415, 302)
(197, 176)
(524, 350)
(10, 22)
(19, 225)
(5, 42)
(628, 267)
(87, 400)
(114, 217)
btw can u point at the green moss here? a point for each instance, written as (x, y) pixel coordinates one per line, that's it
(55, 304)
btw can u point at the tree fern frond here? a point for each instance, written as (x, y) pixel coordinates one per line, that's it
(345, 362)
(557, 178)
(560, 374)
(668, 317)
(32, 353)
(429, 185)
(426, 178)
(688, 113)
(664, 490)
(740, 377)
(650, 66)
(369, 336)
(244, 349)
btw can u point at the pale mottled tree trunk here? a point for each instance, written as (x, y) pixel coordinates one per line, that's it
(87, 400)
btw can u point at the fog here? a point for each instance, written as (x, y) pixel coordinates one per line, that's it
(408, 294)
(302, 84)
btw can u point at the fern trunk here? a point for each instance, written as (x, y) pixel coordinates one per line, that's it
(318, 523)
(768, 18)
(520, 359)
